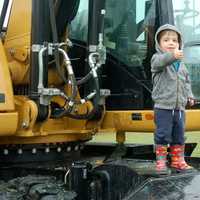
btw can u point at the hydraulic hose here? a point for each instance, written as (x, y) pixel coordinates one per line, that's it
(56, 53)
(67, 60)
(71, 77)
(92, 113)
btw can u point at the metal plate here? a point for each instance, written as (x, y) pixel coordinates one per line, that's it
(179, 187)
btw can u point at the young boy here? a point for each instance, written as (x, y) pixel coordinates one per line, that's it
(171, 92)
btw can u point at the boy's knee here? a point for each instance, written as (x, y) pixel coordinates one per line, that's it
(162, 139)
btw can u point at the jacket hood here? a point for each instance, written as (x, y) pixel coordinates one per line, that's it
(167, 27)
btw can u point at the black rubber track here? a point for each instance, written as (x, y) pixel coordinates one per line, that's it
(34, 187)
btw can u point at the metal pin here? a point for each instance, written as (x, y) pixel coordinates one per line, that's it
(5, 151)
(59, 149)
(24, 125)
(76, 148)
(47, 150)
(19, 151)
(68, 149)
(34, 151)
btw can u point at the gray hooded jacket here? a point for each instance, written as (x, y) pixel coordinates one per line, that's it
(171, 88)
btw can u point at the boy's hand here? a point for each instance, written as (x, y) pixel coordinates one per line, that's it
(178, 54)
(191, 101)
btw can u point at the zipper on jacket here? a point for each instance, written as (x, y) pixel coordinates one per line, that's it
(177, 90)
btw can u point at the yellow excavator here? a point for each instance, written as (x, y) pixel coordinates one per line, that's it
(70, 69)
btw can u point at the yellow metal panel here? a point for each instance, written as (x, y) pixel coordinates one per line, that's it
(193, 120)
(122, 121)
(5, 83)
(19, 25)
(27, 111)
(17, 41)
(8, 123)
(19, 72)
(64, 126)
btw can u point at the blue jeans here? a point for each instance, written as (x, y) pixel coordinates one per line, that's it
(170, 126)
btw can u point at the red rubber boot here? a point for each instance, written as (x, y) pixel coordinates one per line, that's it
(177, 159)
(161, 160)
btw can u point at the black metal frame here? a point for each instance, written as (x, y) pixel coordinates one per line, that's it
(165, 12)
(3, 14)
(40, 33)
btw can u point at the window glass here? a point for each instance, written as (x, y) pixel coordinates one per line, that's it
(127, 23)
(79, 26)
(1, 5)
(192, 61)
(7, 14)
(187, 19)
(126, 29)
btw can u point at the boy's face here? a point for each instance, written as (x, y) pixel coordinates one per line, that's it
(169, 41)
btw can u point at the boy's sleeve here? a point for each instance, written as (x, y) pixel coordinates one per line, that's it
(160, 61)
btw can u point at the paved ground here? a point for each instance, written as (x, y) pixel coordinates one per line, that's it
(146, 138)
